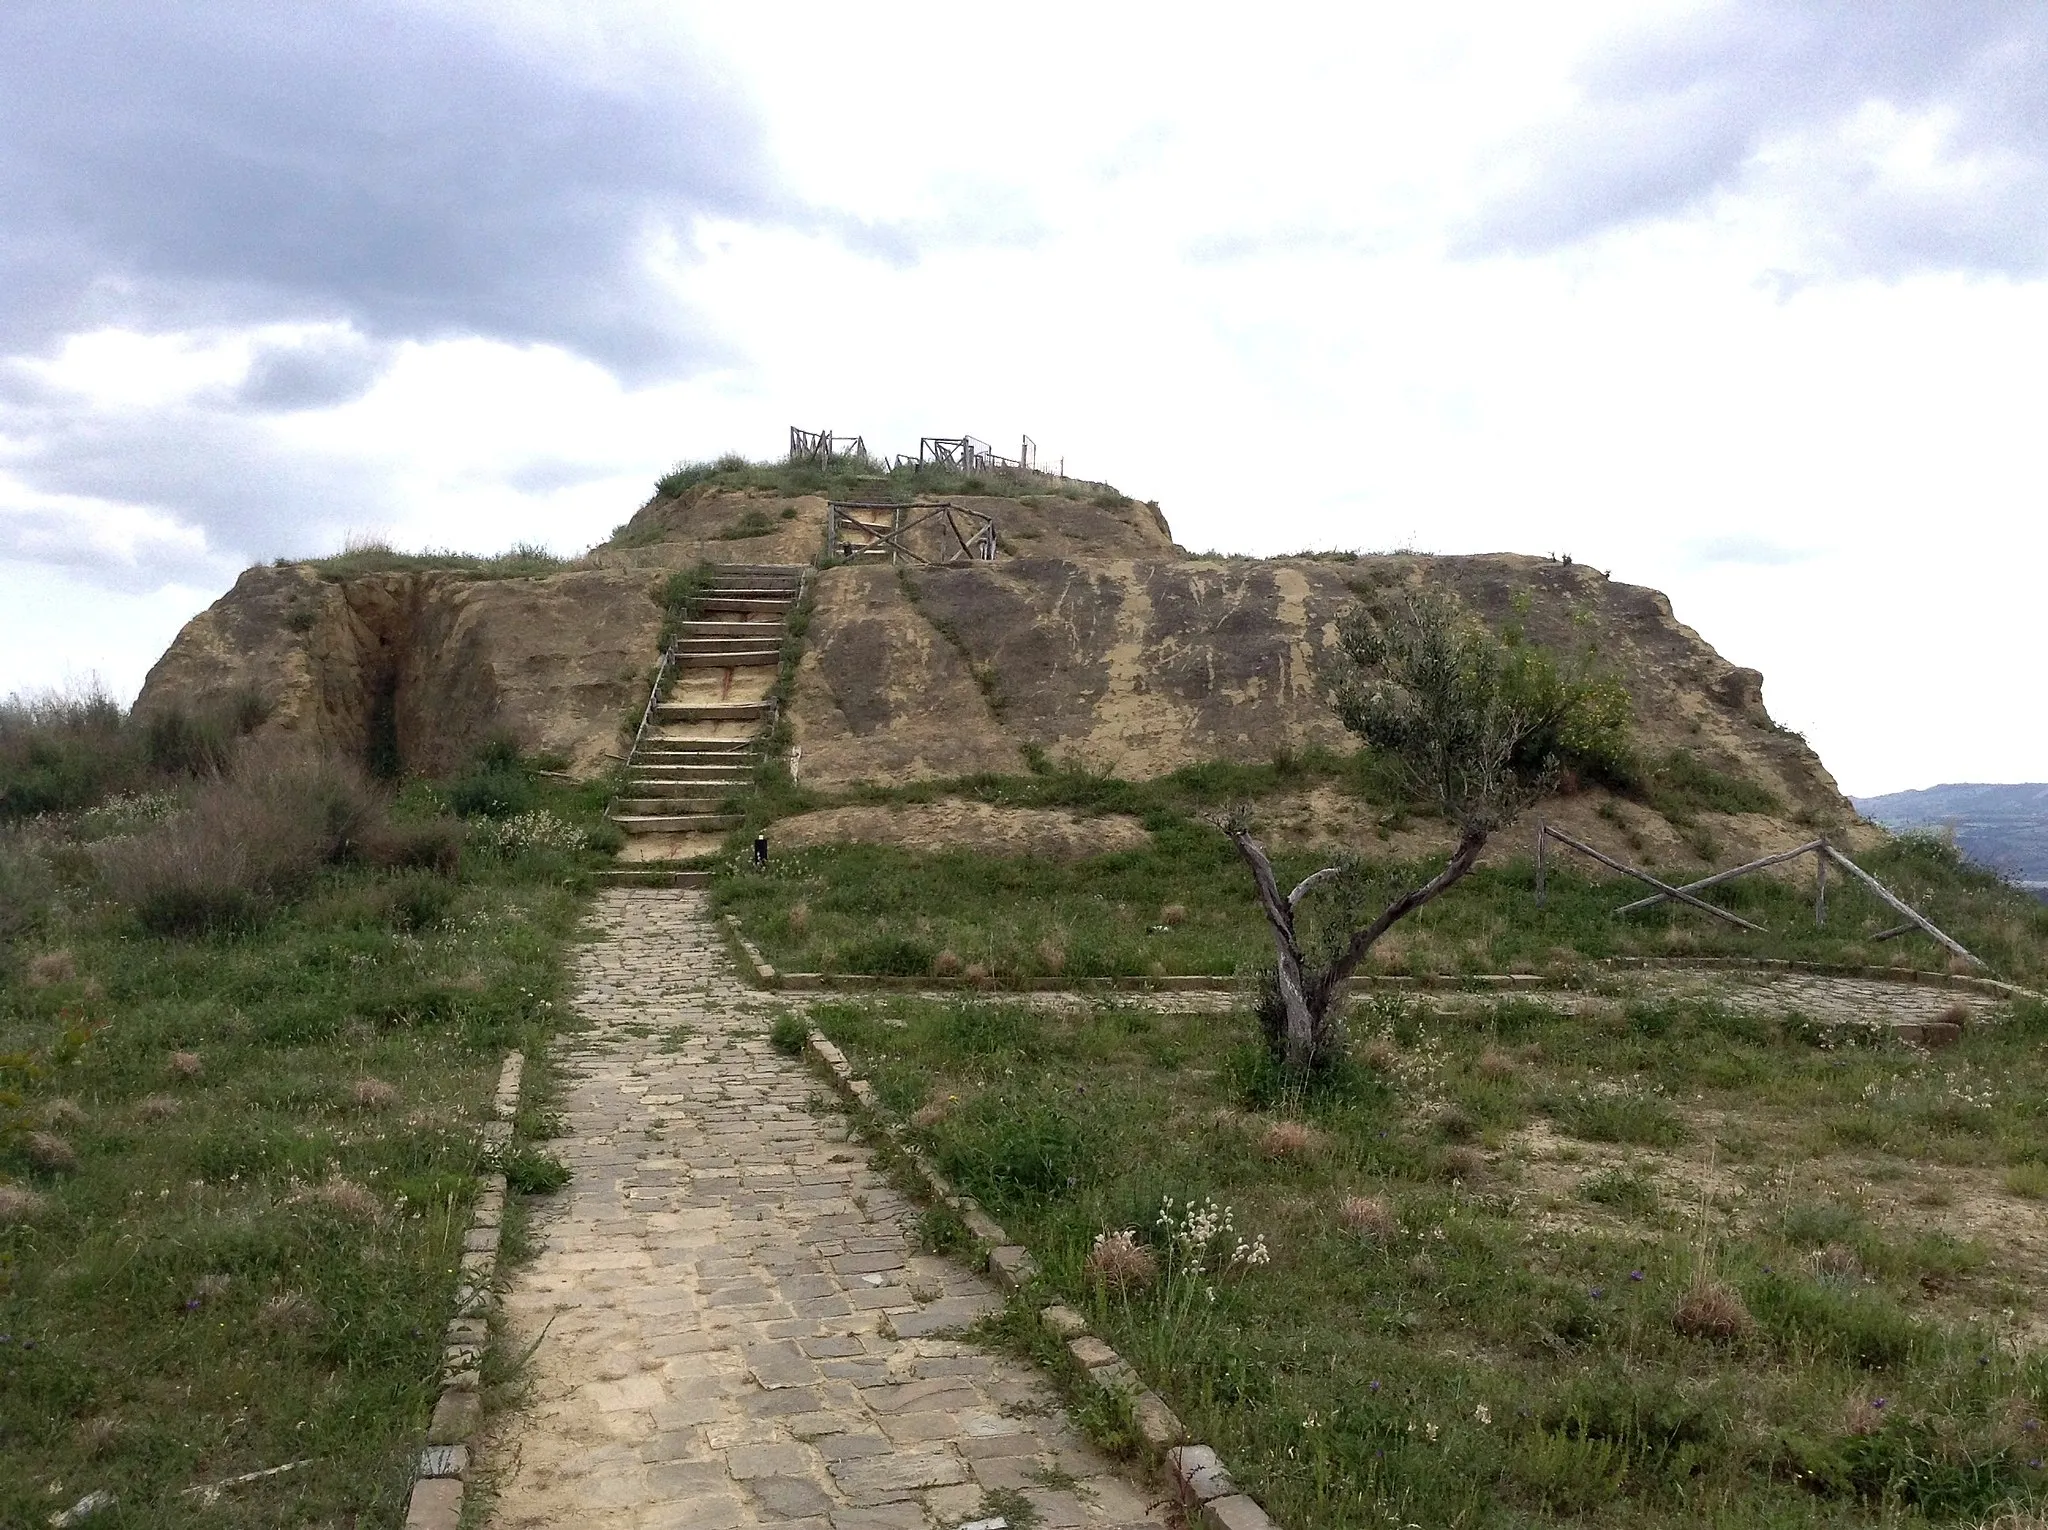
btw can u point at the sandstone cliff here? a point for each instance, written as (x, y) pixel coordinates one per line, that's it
(1093, 640)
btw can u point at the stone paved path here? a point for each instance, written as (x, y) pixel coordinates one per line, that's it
(738, 1329)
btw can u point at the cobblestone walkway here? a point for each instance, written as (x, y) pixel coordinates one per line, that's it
(734, 1325)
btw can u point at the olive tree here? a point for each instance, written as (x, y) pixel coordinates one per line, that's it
(1473, 727)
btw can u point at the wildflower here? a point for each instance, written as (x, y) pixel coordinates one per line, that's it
(1597, 1292)
(1635, 1274)
(1483, 1413)
(1430, 1430)
(1877, 1402)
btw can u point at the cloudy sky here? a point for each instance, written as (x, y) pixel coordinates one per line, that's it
(1746, 300)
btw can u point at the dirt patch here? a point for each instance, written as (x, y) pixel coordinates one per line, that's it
(951, 824)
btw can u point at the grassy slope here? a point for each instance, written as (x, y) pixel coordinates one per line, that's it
(860, 908)
(1501, 1357)
(186, 1306)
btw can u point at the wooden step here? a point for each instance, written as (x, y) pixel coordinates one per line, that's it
(749, 658)
(775, 606)
(677, 823)
(749, 632)
(710, 711)
(638, 806)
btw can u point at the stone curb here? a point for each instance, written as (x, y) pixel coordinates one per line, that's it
(443, 1466)
(756, 962)
(1201, 1485)
(1439, 982)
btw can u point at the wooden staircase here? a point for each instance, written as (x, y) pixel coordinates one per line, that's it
(700, 737)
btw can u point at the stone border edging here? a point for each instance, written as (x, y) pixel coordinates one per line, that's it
(825, 982)
(443, 1466)
(1201, 1484)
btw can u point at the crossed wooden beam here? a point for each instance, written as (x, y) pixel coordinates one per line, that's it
(1824, 854)
(977, 542)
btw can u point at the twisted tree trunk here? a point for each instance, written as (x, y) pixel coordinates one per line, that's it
(1308, 995)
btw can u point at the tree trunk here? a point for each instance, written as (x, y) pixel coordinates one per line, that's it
(1308, 996)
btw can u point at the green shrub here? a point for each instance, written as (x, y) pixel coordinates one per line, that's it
(1860, 1325)
(1008, 1148)
(533, 1172)
(1629, 1118)
(788, 1034)
(888, 956)
(60, 753)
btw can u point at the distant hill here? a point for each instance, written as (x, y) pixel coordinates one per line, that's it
(2003, 827)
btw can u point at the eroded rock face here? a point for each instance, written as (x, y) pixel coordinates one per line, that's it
(417, 670)
(1139, 667)
(1093, 640)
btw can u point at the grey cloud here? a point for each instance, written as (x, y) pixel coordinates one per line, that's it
(1673, 117)
(323, 370)
(404, 167)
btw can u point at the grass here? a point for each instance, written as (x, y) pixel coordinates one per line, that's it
(850, 478)
(524, 560)
(894, 911)
(246, 1256)
(1593, 1332)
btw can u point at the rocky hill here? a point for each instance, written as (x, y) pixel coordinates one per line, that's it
(1092, 640)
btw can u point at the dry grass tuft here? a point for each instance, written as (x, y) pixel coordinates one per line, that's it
(372, 1094)
(18, 1203)
(96, 1435)
(799, 918)
(1118, 1262)
(211, 1288)
(50, 1153)
(51, 967)
(1052, 956)
(1837, 1261)
(156, 1107)
(2016, 1519)
(976, 973)
(1173, 913)
(1291, 1140)
(947, 964)
(1380, 1055)
(348, 1198)
(1369, 1217)
(185, 1065)
(1713, 1312)
(934, 1110)
(1454, 1123)
(289, 1312)
(63, 1115)
(1463, 1163)
(1957, 1014)
(1496, 1064)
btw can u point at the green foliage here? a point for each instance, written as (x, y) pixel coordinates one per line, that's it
(1475, 725)
(788, 1034)
(253, 1258)
(679, 597)
(751, 523)
(1630, 1118)
(533, 1172)
(524, 560)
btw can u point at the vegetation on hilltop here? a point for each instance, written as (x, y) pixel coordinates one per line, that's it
(251, 1011)
(851, 478)
(524, 560)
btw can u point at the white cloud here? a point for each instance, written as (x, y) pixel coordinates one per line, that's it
(1736, 300)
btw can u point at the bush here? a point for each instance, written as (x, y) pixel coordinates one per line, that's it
(431, 844)
(244, 843)
(533, 1172)
(1005, 1148)
(59, 753)
(788, 1034)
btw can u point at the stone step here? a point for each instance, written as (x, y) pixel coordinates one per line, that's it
(677, 823)
(710, 711)
(653, 875)
(749, 605)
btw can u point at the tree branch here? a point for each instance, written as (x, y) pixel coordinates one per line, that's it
(1461, 861)
(1294, 898)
